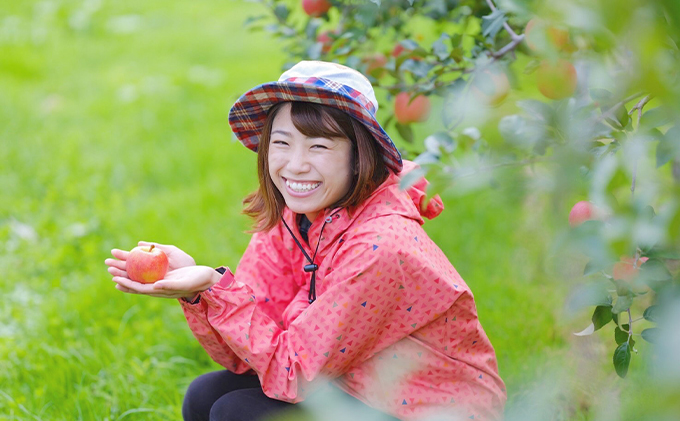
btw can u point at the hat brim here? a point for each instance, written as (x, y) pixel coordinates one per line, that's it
(248, 115)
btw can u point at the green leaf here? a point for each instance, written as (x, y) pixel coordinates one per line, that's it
(440, 48)
(601, 316)
(651, 335)
(281, 11)
(622, 359)
(594, 266)
(405, 131)
(652, 313)
(438, 142)
(601, 95)
(411, 177)
(669, 147)
(654, 270)
(621, 336)
(596, 294)
(656, 117)
(622, 303)
(493, 23)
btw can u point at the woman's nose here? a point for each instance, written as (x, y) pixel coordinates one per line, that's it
(298, 162)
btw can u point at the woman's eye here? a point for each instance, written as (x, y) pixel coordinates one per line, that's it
(279, 142)
(319, 146)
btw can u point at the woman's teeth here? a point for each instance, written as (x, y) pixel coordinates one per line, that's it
(302, 187)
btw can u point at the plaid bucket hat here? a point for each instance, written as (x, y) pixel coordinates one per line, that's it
(317, 82)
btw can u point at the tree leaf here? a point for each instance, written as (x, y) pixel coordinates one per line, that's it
(621, 335)
(651, 335)
(622, 359)
(654, 270)
(405, 131)
(668, 147)
(622, 303)
(594, 266)
(601, 316)
(411, 177)
(493, 23)
(656, 117)
(652, 313)
(587, 331)
(596, 294)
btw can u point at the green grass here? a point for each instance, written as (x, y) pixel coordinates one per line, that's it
(113, 129)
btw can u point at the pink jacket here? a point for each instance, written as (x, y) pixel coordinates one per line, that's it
(394, 324)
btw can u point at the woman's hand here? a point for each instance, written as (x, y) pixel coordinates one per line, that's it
(185, 282)
(176, 259)
(185, 279)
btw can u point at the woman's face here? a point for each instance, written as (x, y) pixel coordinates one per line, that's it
(311, 173)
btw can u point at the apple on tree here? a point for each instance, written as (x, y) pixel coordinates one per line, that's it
(581, 212)
(540, 35)
(316, 8)
(556, 80)
(407, 111)
(146, 264)
(491, 87)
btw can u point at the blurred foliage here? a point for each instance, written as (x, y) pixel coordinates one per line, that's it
(593, 115)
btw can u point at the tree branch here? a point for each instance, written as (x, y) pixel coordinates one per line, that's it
(507, 27)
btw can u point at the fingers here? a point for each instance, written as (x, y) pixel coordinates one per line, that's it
(120, 254)
(117, 272)
(131, 287)
(115, 263)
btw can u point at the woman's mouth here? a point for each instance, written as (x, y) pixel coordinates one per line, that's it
(301, 187)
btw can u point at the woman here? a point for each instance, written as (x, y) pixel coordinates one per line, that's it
(339, 281)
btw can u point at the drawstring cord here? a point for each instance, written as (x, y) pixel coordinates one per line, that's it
(311, 267)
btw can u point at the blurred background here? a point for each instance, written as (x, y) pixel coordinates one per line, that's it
(113, 129)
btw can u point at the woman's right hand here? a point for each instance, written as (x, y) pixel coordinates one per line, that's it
(176, 259)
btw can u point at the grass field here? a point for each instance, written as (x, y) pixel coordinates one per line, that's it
(113, 129)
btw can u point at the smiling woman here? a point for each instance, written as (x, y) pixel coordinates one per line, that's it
(366, 295)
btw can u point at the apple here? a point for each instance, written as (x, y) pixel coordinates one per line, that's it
(581, 212)
(374, 62)
(316, 8)
(408, 111)
(326, 41)
(626, 270)
(146, 264)
(539, 34)
(556, 80)
(493, 93)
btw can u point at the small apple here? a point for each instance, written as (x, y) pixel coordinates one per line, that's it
(626, 269)
(316, 8)
(581, 212)
(146, 264)
(326, 41)
(408, 111)
(375, 63)
(556, 80)
(492, 88)
(539, 35)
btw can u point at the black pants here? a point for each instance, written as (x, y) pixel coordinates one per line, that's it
(225, 396)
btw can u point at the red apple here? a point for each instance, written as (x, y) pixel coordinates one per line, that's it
(316, 8)
(146, 264)
(626, 270)
(493, 93)
(581, 212)
(374, 62)
(326, 41)
(556, 80)
(416, 111)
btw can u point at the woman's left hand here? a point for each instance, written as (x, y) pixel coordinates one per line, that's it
(185, 282)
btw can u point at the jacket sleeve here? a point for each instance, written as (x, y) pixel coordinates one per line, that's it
(376, 296)
(266, 271)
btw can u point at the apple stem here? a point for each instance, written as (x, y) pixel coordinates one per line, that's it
(152, 246)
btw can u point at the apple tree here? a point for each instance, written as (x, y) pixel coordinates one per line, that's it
(581, 97)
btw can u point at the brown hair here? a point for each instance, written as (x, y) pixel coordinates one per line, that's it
(266, 204)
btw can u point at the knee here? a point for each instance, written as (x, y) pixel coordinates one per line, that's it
(197, 403)
(229, 408)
